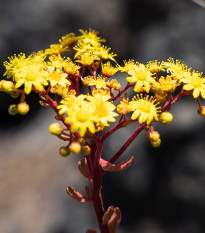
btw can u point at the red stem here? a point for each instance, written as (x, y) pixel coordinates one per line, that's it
(127, 143)
(97, 185)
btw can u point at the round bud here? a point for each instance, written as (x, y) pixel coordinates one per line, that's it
(154, 136)
(166, 118)
(55, 129)
(64, 151)
(13, 110)
(81, 141)
(14, 94)
(201, 111)
(75, 147)
(23, 108)
(156, 143)
(8, 86)
(85, 150)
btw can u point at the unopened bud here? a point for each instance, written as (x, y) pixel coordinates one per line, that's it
(8, 86)
(81, 141)
(75, 147)
(166, 118)
(154, 136)
(85, 150)
(23, 108)
(55, 129)
(201, 111)
(14, 94)
(156, 143)
(13, 110)
(64, 151)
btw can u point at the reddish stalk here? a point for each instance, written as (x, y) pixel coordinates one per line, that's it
(97, 185)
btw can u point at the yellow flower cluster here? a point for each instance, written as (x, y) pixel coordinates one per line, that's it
(92, 64)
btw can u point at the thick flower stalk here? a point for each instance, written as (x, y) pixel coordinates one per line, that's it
(77, 78)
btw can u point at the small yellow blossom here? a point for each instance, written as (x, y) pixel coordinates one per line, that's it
(145, 110)
(155, 67)
(68, 40)
(108, 70)
(57, 62)
(123, 108)
(103, 53)
(168, 84)
(71, 68)
(56, 49)
(82, 48)
(100, 82)
(90, 36)
(70, 101)
(82, 118)
(104, 109)
(15, 65)
(128, 66)
(87, 59)
(142, 76)
(38, 57)
(176, 68)
(32, 75)
(114, 84)
(57, 77)
(194, 82)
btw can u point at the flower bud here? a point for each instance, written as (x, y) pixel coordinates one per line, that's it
(201, 111)
(55, 129)
(166, 118)
(64, 151)
(75, 147)
(23, 108)
(156, 143)
(81, 141)
(85, 150)
(154, 136)
(13, 110)
(14, 94)
(8, 86)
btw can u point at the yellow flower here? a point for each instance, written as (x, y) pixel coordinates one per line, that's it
(176, 68)
(38, 57)
(168, 84)
(104, 110)
(145, 110)
(15, 65)
(71, 68)
(114, 84)
(70, 101)
(56, 77)
(103, 53)
(56, 49)
(87, 59)
(90, 37)
(194, 81)
(82, 118)
(100, 82)
(68, 40)
(128, 66)
(108, 70)
(155, 67)
(142, 76)
(57, 62)
(124, 107)
(32, 75)
(61, 91)
(82, 48)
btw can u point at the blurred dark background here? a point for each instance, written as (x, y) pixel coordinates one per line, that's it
(164, 190)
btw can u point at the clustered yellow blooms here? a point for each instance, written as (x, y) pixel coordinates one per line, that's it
(92, 64)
